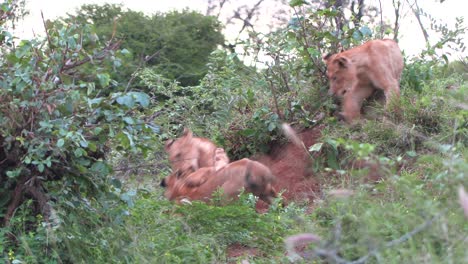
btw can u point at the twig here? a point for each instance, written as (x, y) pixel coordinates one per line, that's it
(45, 28)
(416, 13)
(307, 45)
(145, 60)
(396, 27)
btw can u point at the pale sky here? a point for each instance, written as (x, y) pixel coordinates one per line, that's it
(411, 38)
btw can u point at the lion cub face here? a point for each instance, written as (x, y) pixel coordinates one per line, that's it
(188, 153)
(197, 177)
(341, 73)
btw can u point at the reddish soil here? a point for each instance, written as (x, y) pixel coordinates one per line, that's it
(291, 165)
(237, 250)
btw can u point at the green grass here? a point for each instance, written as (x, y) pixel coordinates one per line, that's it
(423, 160)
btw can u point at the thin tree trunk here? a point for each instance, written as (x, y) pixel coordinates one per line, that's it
(396, 27)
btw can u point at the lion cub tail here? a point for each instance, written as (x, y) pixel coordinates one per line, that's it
(260, 180)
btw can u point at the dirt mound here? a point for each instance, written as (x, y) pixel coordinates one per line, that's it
(292, 166)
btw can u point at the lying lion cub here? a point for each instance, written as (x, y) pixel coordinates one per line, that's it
(188, 153)
(248, 175)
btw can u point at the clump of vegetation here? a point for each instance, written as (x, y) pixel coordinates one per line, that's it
(83, 122)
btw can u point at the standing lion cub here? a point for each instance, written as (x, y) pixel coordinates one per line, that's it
(357, 73)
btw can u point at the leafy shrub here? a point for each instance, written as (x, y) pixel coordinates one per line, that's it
(55, 132)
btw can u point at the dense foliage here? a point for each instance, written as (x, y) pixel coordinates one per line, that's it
(81, 150)
(175, 44)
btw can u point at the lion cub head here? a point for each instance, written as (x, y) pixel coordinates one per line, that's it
(188, 153)
(221, 159)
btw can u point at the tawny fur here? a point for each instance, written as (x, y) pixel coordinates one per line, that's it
(355, 74)
(221, 159)
(188, 153)
(250, 176)
(201, 175)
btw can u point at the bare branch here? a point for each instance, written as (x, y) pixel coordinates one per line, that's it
(396, 27)
(417, 12)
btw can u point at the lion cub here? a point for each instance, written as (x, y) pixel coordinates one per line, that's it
(245, 174)
(188, 153)
(355, 75)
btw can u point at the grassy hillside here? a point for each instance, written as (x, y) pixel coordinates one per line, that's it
(402, 208)
(82, 155)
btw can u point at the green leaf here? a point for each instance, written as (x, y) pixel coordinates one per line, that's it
(126, 100)
(100, 168)
(92, 146)
(13, 173)
(142, 98)
(247, 132)
(313, 52)
(97, 131)
(23, 49)
(271, 126)
(294, 3)
(91, 87)
(116, 183)
(104, 79)
(60, 143)
(41, 167)
(128, 197)
(365, 31)
(332, 162)
(125, 52)
(128, 120)
(316, 147)
(79, 152)
(123, 139)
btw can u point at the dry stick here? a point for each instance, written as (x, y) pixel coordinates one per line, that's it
(275, 95)
(416, 14)
(45, 28)
(146, 59)
(396, 27)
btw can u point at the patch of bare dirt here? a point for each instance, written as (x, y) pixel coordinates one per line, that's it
(236, 251)
(292, 166)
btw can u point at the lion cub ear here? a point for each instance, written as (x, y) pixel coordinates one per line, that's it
(327, 57)
(168, 144)
(187, 133)
(343, 62)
